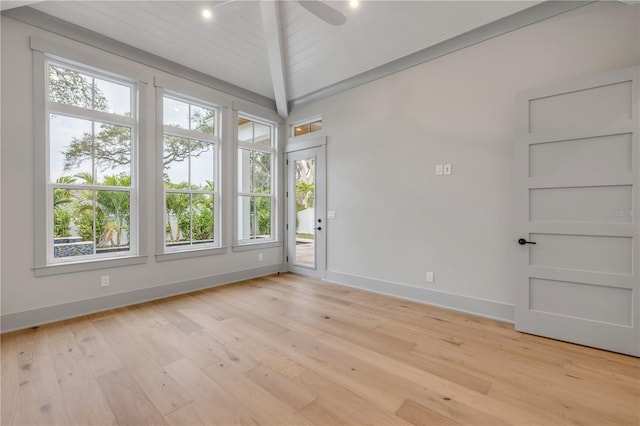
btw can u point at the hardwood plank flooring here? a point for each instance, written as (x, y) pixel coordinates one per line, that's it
(286, 349)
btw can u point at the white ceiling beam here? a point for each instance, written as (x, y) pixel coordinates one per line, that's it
(273, 39)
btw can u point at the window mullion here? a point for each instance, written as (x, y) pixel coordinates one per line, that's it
(89, 114)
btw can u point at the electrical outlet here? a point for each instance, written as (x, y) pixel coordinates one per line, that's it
(429, 277)
(447, 169)
(260, 257)
(104, 281)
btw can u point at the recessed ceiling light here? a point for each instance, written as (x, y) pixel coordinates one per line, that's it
(207, 14)
(354, 4)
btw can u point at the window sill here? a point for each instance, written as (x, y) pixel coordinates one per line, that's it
(90, 265)
(187, 254)
(257, 246)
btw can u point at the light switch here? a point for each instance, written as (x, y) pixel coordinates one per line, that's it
(331, 214)
(439, 170)
(447, 169)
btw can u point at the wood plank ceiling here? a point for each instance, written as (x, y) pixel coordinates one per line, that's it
(232, 46)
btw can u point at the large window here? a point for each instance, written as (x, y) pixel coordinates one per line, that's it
(91, 169)
(190, 174)
(256, 201)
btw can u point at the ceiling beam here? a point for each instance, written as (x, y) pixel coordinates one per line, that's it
(273, 39)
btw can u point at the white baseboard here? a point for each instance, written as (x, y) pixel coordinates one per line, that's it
(48, 314)
(471, 305)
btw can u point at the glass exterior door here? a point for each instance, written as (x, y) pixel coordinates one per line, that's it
(306, 221)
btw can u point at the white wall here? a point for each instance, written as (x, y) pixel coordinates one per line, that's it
(395, 219)
(21, 290)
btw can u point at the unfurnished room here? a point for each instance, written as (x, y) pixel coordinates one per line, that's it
(310, 212)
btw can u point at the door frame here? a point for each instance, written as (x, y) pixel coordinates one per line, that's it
(295, 145)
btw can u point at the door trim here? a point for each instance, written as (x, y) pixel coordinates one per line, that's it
(300, 143)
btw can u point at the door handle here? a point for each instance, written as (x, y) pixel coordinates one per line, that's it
(522, 242)
(319, 228)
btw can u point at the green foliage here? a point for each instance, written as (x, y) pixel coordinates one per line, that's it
(114, 207)
(61, 223)
(261, 214)
(111, 212)
(203, 225)
(177, 205)
(195, 223)
(62, 197)
(202, 220)
(82, 213)
(305, 195)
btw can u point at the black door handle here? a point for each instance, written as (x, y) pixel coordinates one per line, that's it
(522, 242)
(319, 228)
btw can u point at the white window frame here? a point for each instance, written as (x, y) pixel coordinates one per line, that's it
(84, 60)
(275, 207)
(195, 94)
(213, 139)
(305, 122)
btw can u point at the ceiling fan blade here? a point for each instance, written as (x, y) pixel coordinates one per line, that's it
(231, 5)
(323, 11)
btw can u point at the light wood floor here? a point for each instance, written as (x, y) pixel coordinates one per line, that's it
(290, 350)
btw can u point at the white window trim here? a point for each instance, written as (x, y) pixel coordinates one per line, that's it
(192, 93)
(43, 51)
(275, 240)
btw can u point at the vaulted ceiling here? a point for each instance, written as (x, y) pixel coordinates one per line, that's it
(280, 50)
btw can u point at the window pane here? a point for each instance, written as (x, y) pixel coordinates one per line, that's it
(72, 223)
(262, 134)
(202, 119)
(245, 130)
(261, 165)
(254, 215)
(177, 218)
(70, 87)
(176, 162)
(202, 165)
(262, 216)
(315, 126)
(202, 218)
(305, 212)
(112, 152)
(302, 129)
(245, 175)
(112, 221)
(70, 150)
(113, 97)
(175, 113)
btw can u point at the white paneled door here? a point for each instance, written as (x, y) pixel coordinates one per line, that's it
(306, 222)
(578, 212)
